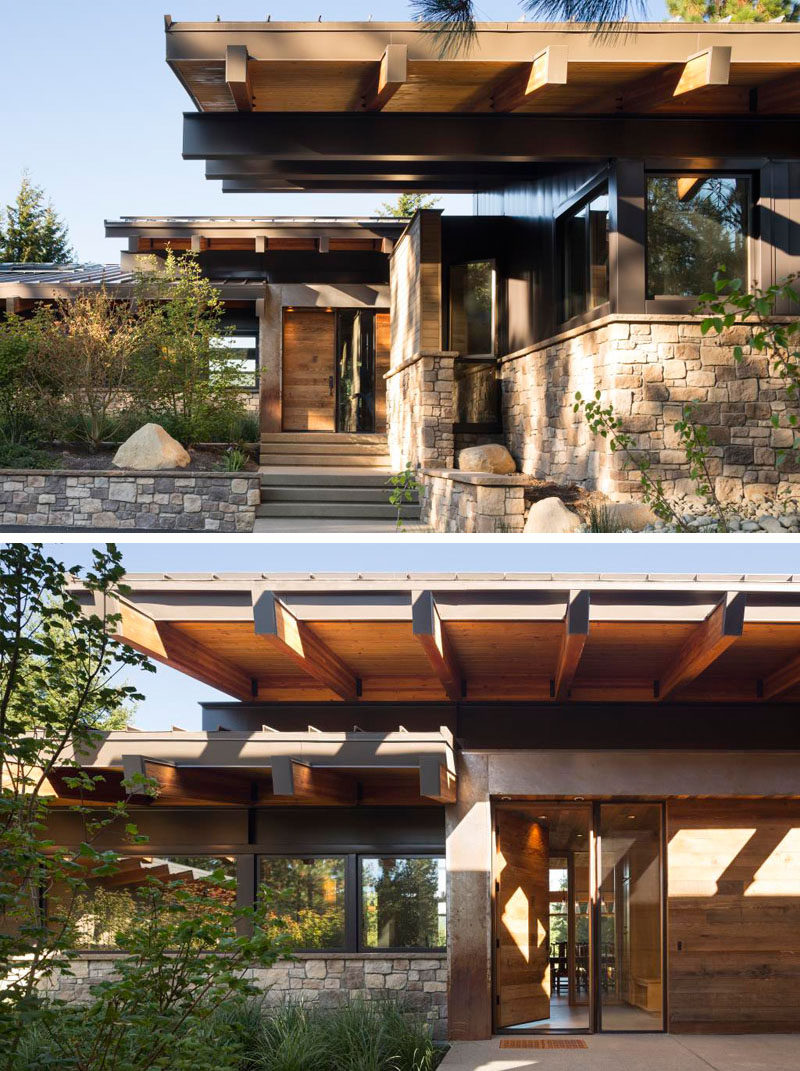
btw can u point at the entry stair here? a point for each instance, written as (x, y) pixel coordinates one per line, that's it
(327, 475)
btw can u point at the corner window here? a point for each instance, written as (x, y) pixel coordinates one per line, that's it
(403, 903)
(472, 302)
(695, 223)
(309, 897)
(110, 904)
(582, 236)
(239, 354)
(359, 903)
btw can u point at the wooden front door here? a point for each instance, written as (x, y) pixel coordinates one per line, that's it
(309, 370)
(383, 342)
(522, 910)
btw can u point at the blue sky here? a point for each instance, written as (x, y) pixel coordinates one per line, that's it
(172, 699)
(94, 113)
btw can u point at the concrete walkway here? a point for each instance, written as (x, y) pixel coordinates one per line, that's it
(628, 1052)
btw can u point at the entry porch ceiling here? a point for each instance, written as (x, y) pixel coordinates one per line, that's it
(431, 638)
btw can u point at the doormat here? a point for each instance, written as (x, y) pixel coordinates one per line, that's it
(543, 1043)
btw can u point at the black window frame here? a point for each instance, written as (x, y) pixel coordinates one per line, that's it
(495, 317)
(667, 303)
(599, 186)
(353, 898)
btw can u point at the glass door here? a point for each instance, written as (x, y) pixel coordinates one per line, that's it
(355, 370)
(630, 917)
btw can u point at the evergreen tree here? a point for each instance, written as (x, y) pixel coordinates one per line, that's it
(734, 10)
(32, 232)
(406, 205)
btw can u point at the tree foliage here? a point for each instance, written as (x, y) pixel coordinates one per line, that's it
(734, 10)
(32, 231)
(407, 205)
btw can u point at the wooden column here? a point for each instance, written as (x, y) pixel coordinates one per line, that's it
(269, 358)
(626, 238)
(468, 829)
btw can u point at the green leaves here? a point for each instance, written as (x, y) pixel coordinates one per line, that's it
(405, 488)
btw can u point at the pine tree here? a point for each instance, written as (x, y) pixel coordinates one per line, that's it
(32, 232)
(407, 204)
(734, 10)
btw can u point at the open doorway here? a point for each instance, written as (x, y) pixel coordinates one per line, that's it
(577, 917)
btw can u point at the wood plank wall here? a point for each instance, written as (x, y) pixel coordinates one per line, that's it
(734, 916)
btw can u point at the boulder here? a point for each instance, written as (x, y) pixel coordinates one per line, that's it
(635, 516)
(151, 448)
(491, 457)
(550, 515)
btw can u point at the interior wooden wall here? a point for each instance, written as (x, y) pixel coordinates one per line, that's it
(734, 916)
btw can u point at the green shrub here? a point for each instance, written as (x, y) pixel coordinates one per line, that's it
(23, 456)
(603, 520)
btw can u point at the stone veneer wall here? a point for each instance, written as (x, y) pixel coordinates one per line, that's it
(419, 410)
(324, 979)
(453, 501)
(174, 501)
(648, 367)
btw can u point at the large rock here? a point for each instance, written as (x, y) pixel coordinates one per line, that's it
(151, 448)
(550, 515)
(491, 457)
(635, 516)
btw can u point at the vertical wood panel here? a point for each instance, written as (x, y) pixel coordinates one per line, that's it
(309, 403)
(383, 341)
(734, 915)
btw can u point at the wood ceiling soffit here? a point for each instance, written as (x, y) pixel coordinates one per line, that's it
(573, 640)
(384, 81)
(722, 628)
(780, 96)
(429, 630)
(166, 644)
(297, 782)
(543, 77)
(278, 626)
(781, 680)
(237, 77)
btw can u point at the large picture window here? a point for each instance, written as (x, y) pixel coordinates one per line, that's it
(472, 299)
(112, 903)
(582, 236)
(353, 903)
(695, 223)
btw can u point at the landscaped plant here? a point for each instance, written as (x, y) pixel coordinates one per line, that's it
(405, 488)
(234, 459)
(22, 406)
(778, 340)
(694, 441)
(602, 521)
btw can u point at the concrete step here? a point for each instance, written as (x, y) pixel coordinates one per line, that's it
(344, 510)
(322, 437)
(329, 460)
(375, 495)
(313, 477)
(325, 449)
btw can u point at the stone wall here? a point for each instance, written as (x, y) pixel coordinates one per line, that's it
(419, 411)
(648, 367)
(324, 979)
(454, 501)
(164, 501)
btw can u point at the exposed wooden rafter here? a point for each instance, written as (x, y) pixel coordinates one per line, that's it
(389, 75)
(279, 627)
(782, 679)
(684, 83)
(178, 784)
(720, 629)
(539, 80)
(573, 640)
(298, 782)
(237, 77)
(167, 644)
(428, 629)
(436, 781)
(781, 96)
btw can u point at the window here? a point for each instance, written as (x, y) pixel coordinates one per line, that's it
(309, 897)
(403, 903)
(111, 903)
(582, 235)
(695, 223)
(472, 298)
(239, 351)
(352, 902)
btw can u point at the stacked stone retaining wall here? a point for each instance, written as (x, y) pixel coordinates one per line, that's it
(419, 406)
(171, 501)
(454, 501)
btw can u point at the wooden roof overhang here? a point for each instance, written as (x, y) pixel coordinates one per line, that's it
(263, 768)
(432, 638)
(381, 110)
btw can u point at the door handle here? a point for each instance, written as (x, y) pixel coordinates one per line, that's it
(330, 385)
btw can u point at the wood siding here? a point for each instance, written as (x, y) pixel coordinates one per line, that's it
(309, 369)
(383, 342)
(734, 916)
